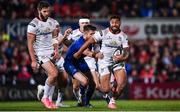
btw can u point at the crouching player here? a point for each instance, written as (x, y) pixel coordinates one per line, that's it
(78, 68)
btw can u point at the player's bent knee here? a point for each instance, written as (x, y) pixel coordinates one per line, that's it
(85, 82)
(105, 89)
(54, 73)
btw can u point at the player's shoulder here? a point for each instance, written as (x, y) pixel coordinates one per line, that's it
(33, 22)
(52, 20)
(76, 31)
(123, 34)
(103, 32)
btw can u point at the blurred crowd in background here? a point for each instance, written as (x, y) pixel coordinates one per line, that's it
(150, 60)
(68, 9)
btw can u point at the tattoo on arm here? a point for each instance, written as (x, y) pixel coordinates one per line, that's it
(126, 53)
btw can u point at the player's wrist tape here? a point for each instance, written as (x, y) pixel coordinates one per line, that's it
(84, 20)
(54, 41)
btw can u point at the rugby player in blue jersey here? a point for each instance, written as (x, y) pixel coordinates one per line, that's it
(78, 68)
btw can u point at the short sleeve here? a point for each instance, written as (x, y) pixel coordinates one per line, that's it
(125, 41)
(56, 24)
(31, 28)
(98, 36)
(69, 37)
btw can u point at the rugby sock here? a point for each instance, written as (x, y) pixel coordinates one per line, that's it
(47, 89)
(89, 93)
(59, 96)
(106, 96)
(51, 92)
(76, 93)
(82, 90)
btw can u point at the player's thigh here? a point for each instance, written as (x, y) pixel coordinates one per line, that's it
(104, 83)
(50, 68)
(89, 75)
(62, 78)
(62, 74)
(121, 77)
(70, 68)
(83, 66)
(104, 78)
(95, 75)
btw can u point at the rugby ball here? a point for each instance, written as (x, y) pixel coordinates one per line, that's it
(118, 51)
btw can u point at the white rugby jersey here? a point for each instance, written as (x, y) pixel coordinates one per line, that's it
(110, 42)
(76, 34)
(43, 31)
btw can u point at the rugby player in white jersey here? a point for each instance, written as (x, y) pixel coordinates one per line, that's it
(76, 34)
(62, 75)
(111, 38)
(43, 47)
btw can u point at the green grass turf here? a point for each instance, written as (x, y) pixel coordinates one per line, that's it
(100, 105)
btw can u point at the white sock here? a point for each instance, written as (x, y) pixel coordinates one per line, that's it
(76, 93)
(51, 92)
(47, 89)
(59, 97)
(112, 100)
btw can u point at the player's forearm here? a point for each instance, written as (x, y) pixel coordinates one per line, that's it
(125, 54)
(85, 46)
(65, 41)
(31, 51)
(89, 53)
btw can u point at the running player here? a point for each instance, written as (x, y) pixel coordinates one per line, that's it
(43, 48)
(62, 75)
(112, 38)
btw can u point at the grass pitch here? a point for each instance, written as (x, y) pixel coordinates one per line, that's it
(99, 105)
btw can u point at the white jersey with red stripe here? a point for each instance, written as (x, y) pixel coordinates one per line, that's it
(43, 31)
(110, 42)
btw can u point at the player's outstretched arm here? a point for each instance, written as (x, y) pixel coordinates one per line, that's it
(84, 47)
(89, 53)
(55, 43)
(64, 37)
(67, 42)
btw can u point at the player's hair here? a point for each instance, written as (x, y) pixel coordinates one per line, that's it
(89, 27)
(43, 4)
(84, 17)
(115, 17)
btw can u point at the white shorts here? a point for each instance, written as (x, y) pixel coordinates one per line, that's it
(91, 63)
(105, 68)
(60, 63)
(44, 58)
